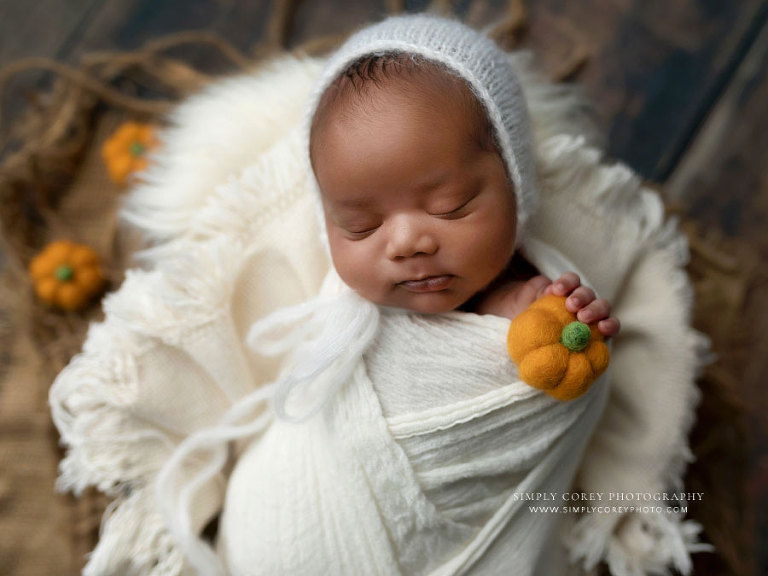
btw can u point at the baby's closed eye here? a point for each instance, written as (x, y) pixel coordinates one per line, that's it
(453, 208)
(357, 232)
(356, 224)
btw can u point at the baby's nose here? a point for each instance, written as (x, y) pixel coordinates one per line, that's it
(408, 238)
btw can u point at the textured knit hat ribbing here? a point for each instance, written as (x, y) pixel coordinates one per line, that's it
(474, 58)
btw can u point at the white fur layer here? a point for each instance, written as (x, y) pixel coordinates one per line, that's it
(214, 136)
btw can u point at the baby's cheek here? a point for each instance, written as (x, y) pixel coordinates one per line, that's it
(357, 268)
(496, 253)
(347, 266)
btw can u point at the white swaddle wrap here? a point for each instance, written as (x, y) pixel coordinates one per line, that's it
(432, 490)
(386, 477)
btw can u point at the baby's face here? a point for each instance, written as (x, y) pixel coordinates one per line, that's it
(419, 215)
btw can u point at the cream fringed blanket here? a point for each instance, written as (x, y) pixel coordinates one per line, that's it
(417, 461)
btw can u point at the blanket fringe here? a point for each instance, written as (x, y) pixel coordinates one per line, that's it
(134, 541)
(265, 190)
(636, 544)
(187, 291)
(243, 205)
(113, 451)
(567, 163)
(107, 447)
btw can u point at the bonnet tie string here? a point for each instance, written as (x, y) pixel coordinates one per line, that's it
(325, 339)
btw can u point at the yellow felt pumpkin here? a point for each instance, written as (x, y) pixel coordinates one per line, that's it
(125, 152)
(554, 352)
(66, 275)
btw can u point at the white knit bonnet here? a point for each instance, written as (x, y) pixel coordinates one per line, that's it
(471, 56)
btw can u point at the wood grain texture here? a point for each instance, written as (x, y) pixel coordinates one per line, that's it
(722, 186)
(128, 24)
(314, 18)
(655, 65)
(36, 29)
(42, 28)
(722, 179)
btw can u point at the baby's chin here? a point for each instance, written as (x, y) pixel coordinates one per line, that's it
(434, 303)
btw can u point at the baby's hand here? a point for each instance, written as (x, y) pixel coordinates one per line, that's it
(582, 302)
(511, 299)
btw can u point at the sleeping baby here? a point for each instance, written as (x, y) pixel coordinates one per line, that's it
(421, 151)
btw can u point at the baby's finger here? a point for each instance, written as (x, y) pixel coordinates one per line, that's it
(567, 283)
(579, 298)
(596, 310)
(536, 287)
(609, 327)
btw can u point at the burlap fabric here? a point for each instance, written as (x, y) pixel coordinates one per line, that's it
(53, 185)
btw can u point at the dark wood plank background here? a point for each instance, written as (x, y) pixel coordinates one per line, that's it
(679, 86)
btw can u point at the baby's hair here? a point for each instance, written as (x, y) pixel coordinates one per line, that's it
(349, 93)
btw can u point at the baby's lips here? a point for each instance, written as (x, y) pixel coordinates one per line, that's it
(428, 284)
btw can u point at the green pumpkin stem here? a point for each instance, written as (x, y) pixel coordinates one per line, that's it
(65, 273)
(137, 148)
(575, 336)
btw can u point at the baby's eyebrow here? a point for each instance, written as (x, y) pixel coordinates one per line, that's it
(425, 185)
(432, 181)
(353, 203)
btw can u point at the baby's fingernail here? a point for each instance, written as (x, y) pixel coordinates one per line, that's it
(585, 315)
(574, 301)
(560, 287)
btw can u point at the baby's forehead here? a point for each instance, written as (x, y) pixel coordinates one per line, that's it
(368, 81)
(372, 83)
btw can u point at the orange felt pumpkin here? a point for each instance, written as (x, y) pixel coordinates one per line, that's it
(554, 352)
(66, 275)
(125, 152)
